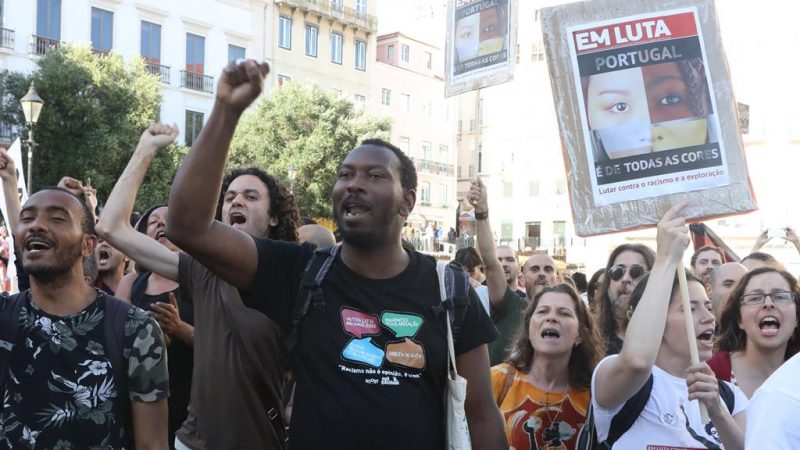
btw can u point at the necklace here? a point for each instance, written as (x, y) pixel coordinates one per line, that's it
(551, 434)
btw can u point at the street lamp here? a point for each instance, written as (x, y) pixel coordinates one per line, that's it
(292, 172)
(31, 107)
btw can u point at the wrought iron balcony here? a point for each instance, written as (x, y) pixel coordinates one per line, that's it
(7, 38)
(158, 69)
(344, 14)
(40, 44)
(197, 81)
(433, 167)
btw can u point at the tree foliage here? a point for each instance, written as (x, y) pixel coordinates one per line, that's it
(95, 109)
(310, 128)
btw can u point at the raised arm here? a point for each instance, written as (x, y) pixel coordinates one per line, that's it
(8, 173)
(619, 378)
(229, 253)
(114, 225)
(495, 278)
(760, 241)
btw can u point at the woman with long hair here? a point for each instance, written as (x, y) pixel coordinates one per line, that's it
(654, 368)
(543, 388)
(758, 328)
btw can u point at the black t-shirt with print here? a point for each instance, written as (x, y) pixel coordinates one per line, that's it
(372, 372)
(60, 390)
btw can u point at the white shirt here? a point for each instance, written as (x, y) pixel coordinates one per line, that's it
(483, 294)
(663, 422)
(774, 410)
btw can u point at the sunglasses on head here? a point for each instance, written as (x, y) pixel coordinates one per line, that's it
(617, 272)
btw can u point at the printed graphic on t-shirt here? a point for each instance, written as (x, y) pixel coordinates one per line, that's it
(405, 353)
(671, 447)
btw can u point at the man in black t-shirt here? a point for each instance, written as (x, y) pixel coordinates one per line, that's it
(371, 372)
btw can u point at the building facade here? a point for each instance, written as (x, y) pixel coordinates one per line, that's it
(187, 43)
(408, 86)
(327, 42)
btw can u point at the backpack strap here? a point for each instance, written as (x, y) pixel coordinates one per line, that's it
(116, 314)
(10, 307)
(624, 419)
(727, 395)
(139, 286)
(310, 292)
(456, 284)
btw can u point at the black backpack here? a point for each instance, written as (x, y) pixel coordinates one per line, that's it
(310, 295)
(624, 419)
(115, 313)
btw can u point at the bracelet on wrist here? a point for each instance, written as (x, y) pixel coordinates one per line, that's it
(481, 215)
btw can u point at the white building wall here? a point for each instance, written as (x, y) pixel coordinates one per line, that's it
(221, 22)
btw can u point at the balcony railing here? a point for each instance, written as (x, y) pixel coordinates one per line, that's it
(40, 44)
(434, 167)
(7, 38)
(197, 81)
(347, 15)
(158, 69)
(7, 133)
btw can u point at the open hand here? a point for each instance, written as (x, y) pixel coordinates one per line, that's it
(241, 83)
(168, 317)
(90, 195)
(762, 239)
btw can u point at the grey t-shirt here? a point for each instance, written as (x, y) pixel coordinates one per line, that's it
(239, 367)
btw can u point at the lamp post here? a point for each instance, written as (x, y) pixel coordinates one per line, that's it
(291, 171)
(31, 107)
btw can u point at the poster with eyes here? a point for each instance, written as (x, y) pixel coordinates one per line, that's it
(646, 112)
(480, 44)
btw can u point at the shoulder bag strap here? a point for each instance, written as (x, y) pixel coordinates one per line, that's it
(510, 374)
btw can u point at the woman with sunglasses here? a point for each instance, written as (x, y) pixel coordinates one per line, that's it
(654, 365)
(758, 328)
(543, 388)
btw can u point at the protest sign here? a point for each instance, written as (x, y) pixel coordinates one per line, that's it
(481, 44)
(646, 112)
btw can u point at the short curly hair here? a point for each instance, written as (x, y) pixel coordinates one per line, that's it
(281, 203)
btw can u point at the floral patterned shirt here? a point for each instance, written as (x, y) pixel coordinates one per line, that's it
(60, 391)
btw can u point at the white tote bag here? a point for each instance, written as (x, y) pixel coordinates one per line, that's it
(456, 395)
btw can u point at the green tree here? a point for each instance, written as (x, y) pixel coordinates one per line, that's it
(310, 128)
(95, 109)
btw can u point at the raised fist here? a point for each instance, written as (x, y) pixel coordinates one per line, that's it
(241, 83)
(158, 136)
(8, 172)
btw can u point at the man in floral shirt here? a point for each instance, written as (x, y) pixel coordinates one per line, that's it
(60, 390)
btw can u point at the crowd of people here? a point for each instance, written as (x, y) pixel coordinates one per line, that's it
(222, 320)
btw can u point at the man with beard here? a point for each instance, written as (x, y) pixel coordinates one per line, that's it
(501, 267)
(239, 365)
(626, 265)
(62, 385)
(539, 271)
(704, 260)
(371, 358)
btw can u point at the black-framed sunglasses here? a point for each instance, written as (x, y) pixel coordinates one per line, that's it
(617, 272)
